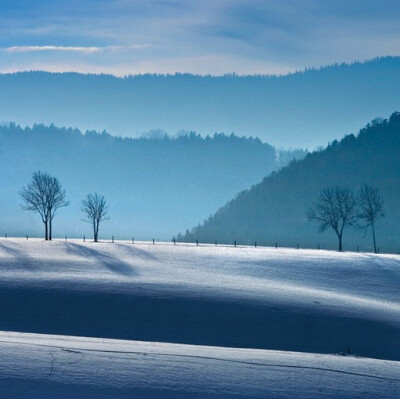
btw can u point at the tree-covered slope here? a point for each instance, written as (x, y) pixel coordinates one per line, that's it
(275, 209)
(303, 109)
(154, 186)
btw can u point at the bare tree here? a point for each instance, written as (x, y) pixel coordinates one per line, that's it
(335, 209)
(44, 195)
(370, 206)
(34, 197)
(95, 208)
(56, 198)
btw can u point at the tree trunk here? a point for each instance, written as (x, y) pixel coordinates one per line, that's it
(373, 235)
(340, 243)
(94, 233)
(50, 229)
(46, 234)
(97, 231)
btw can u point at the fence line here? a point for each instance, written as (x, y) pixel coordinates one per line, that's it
(234, 244)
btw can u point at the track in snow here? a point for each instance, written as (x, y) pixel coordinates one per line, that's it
(45, 366)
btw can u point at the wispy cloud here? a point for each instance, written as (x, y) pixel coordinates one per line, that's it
(85, 50)
(32, 49)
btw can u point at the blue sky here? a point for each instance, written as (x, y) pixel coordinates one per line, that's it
(206, 37)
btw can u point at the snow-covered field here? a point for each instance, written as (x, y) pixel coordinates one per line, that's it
(281, 309)
(46, 366)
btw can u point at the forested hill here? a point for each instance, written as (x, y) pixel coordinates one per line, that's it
(275, 209)
(304, 109)
(154, 186)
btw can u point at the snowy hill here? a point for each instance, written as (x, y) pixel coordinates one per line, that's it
(196, 299)
(47, 366)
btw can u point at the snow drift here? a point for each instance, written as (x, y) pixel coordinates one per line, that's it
(297, 300)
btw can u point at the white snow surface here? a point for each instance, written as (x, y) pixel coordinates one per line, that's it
(275, 306)
(47, 366)
(357, 283)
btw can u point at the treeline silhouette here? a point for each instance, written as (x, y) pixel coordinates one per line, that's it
(155, 186)
(303, 109)
(275, 209)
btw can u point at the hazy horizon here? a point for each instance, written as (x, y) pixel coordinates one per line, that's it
(307, 109)
(261, 75)
(135, 36)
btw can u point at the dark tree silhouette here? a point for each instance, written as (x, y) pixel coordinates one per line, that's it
(370, 206)
(335, 209)
(44, 195)
(34, 197)
(55, 199)
(95, 208)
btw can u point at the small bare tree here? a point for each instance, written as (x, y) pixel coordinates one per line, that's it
(95, 208)
(56, 198)
(44, 195)
(335, 209)
(370, 209)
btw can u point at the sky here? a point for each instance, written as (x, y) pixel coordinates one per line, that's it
(202, 37)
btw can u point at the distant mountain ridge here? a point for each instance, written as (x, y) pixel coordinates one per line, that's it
(274, 211)
(154, 186)
(304, 109)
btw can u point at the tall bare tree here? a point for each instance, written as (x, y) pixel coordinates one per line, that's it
(370, 206)
(95, 208)
(335, 209)
(34, 197)
(44, 195)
